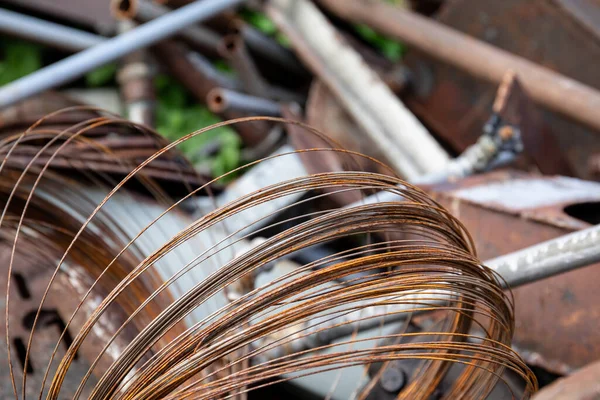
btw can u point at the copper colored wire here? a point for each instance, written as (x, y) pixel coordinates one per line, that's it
(395, 250)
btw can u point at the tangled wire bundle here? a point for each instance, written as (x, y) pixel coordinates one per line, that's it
(188, 316)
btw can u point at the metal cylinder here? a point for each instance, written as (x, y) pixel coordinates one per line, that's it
(144, 11)
(221, 100)
(47, 33)
(135, 78)
(233, 49)
(546, 259)
(200, 82)
(75, 66)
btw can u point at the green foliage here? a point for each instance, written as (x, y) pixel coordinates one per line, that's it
(260, 21)
(177, 115)
(223, 66)
(20, 59)
(264, 24)
(391, 49)
(101, 76)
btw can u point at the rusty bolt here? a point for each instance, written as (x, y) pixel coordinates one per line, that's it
(393, 379)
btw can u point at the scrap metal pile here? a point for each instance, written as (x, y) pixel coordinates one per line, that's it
(340, 199)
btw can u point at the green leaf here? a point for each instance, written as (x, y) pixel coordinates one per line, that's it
(177, 115)
(101, 76)
(391, 49)
(283, 40)
(366, 32)
(223, 66)
(260, 21)
(20, 59)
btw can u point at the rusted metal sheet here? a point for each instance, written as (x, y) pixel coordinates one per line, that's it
(27, 287)
(582, 385)
(584, 12)
(457, 105)
(557, 319)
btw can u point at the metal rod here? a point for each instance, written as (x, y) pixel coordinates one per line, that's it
(200, 82)
(392, 128)
(75, 66)
(135, 79)
(145, 11)
(532, 264)
(555, 91)
(221, 100)
(549, 258)
(47, 33)
(234, 49)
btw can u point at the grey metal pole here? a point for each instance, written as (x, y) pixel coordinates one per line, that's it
(48, 33)
(534, 263)
(546, 259)
(146, 11)
(75, 66)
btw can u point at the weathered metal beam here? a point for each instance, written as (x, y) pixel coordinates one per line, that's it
(398, 134)
(555, 91)
(509, 213)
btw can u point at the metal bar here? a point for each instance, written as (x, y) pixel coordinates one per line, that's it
(47, 33)
(553, 257)
(75, 66)
(406, 144)
(145, 11)
(546, 259)
(478, 58)
(135, 79)
(234, 49)
(221, 100)
(200, 81)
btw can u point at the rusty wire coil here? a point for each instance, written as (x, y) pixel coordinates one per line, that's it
(165, 276)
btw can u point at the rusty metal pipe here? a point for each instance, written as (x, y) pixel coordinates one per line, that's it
(234, 49)
(174, 56)
(221, 100)
(144, 11)
(222, 80)
(555, 91)
(135, 78)
(207, 69)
